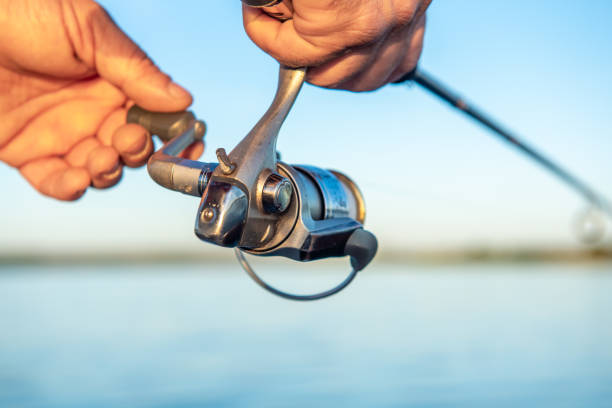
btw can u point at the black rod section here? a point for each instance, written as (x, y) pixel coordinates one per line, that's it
(434, 86)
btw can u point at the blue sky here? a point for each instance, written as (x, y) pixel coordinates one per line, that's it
(431, 178)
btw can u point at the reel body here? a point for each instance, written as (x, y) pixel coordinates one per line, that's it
(302, 212)
(257, 204)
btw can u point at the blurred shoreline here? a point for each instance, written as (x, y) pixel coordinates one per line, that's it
(442, 257)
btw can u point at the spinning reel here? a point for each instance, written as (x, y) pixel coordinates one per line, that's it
(257, 204)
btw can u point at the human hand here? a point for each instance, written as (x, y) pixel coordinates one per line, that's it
(67, 76)
(357, 45)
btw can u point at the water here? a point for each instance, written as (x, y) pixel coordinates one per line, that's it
(469, 336)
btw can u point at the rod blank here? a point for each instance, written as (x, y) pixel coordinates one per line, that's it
(434, 86)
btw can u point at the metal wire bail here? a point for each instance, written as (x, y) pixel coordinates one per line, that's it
(300, 298)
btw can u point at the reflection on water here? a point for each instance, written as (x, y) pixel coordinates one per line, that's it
(503, 336)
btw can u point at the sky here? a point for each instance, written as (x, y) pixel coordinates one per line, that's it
(432, 179)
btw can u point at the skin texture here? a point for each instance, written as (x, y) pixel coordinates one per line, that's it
(357, 45)
(68, 75)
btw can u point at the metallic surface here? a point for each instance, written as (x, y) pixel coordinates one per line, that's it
(276, 194)
(255, 160)
(355, 197)
(335, 199)
(222, 214)
(310, 238)
(225, 164)
(290, 296)
(179, 130)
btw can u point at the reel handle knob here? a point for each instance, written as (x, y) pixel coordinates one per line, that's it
(361, 247)
(166, 126)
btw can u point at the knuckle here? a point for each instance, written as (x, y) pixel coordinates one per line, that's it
(139, 64)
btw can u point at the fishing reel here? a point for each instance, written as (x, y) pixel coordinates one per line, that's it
(257, 204)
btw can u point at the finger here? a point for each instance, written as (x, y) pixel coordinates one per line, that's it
(104, 166)
(193, 151)
(110, 125)
(383, 65)
(57, 129)
(335, 72)
(55, 178)
(134, 144)
(282, 41)
(120, 61)
(411, 58)
(77, 157)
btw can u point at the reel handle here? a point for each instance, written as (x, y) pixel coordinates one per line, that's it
(178, 130)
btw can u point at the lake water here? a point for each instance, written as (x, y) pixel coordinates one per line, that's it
(197, 336)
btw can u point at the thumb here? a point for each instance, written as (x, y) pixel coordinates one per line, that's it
(120, 61)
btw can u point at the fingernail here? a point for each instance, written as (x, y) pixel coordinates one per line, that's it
(176, 91)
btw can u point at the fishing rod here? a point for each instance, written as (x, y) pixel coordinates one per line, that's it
(431, 84)
(597, 201)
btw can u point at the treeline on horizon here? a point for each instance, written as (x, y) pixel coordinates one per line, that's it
(474, 255)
